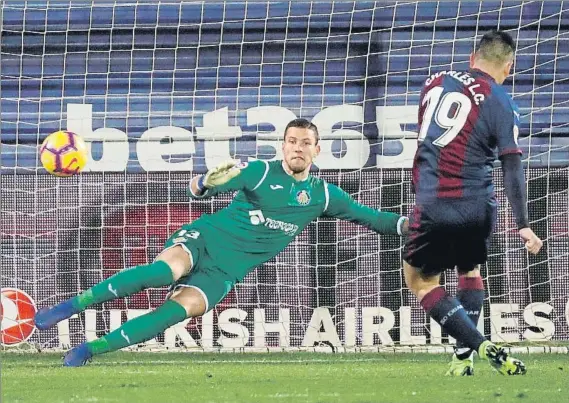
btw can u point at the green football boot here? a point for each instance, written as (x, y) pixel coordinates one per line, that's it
(464, 367)
(500, 360)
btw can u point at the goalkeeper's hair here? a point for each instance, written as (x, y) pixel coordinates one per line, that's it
(497, 47)
(303, 124)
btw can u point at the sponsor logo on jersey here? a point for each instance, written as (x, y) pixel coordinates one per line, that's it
(286, 227)
(257, 217)
(275, 187)
(17, 312)
(303, 197)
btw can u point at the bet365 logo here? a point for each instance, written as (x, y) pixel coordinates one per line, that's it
(17, 312)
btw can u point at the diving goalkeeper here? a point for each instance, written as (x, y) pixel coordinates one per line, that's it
(203, 260)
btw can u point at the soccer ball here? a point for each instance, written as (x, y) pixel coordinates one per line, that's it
(63, 153)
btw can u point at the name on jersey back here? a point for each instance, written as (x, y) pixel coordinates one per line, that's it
(465, 78)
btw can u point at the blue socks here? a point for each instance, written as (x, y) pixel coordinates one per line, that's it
(471, 295)
(450, 314)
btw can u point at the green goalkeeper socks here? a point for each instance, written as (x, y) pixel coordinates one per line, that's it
(124, 283)
(140, 329)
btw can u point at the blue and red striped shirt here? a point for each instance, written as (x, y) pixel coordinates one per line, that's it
(463, 118)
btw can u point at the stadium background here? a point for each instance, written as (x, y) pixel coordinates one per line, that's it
(143, 66)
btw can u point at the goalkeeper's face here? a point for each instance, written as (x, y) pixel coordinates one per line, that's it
(299, 149)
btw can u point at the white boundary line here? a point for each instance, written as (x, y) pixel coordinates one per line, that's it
(127, 363)
(440, 349)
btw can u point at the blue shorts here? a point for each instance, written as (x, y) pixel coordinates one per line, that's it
(450, 233)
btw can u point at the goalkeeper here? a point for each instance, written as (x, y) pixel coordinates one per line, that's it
(203, 261)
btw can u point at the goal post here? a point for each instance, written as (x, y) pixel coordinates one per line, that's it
(164, 91)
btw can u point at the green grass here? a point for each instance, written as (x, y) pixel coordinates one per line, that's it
(282, 377)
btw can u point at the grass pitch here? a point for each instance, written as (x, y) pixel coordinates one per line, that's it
(283, 377)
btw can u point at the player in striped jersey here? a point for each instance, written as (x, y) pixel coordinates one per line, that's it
(463, 118)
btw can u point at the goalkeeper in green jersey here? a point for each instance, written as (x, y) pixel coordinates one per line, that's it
(203, 261)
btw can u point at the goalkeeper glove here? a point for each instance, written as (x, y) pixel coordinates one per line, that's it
(218, 176)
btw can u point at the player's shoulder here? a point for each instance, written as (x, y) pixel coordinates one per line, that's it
(329, 189)
(500, 100)
(274, 165)
(315, 181)
(500, 92)
(253, 166)
(252, 172)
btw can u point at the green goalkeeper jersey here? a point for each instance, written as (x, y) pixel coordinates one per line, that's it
(270, 209)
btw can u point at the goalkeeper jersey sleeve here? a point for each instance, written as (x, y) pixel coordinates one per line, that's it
(341, 205)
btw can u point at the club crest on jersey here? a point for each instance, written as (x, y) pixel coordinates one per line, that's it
(303, 197)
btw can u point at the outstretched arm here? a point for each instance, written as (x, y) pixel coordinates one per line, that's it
(341, 205)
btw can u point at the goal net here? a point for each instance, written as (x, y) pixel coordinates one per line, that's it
(164, 91)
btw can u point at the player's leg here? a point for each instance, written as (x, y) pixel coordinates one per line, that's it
(473, 249)
(170, 265)
(181, 250)
(428, 251)
(430, 248)
(470, 294)
(441, 306)
(192, 296)
(449, 313)
(184, 303)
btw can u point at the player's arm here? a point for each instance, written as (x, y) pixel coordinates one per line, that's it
(506, 123)
(514, 183)
(506, 126)
(341, 205)
(227, 177)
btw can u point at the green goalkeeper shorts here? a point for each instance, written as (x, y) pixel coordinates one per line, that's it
(213, 283)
